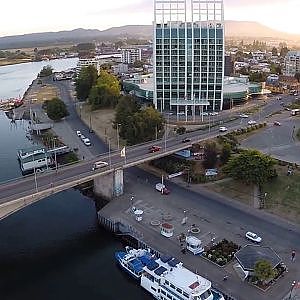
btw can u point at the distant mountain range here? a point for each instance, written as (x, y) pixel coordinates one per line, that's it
(233, 29)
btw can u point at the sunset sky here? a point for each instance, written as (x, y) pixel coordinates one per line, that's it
(19, 16)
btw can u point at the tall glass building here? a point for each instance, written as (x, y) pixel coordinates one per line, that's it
(188, 55)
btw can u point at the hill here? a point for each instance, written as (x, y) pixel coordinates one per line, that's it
(233, 29)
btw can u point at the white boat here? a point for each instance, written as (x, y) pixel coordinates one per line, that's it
(132, 261)
(165, 278)
(169, 279)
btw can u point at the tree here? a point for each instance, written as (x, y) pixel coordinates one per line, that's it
(226, 153)
(284, 51)
(56, 109)
(275, 51)
(263, 270)
(137, 125)
(210, 155)
(85, 81)
(297, 76)
(257, 77)
(46, 71)
(126, 107)
(106, 92)
(181, 130)
(251, 167)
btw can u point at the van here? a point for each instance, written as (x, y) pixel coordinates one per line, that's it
(99, 165)
(162, 189)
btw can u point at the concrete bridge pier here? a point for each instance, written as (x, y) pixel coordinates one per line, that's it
(109, 185)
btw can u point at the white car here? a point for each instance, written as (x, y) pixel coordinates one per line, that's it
(87, 142)
(214, 113)
(244, 116)
(99, 165)
(251, 122)
(205, 113)
(78, 133)
(82, 137)
(223, 129)
(251, 236)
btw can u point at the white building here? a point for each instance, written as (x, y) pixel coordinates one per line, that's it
(292, 63)
(85, 62)
(188, 55)
(120, 69)
(131, 55)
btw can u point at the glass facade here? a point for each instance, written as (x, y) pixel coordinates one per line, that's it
(189, 61)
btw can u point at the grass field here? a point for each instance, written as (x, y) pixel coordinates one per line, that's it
(283, 193)
(234, 190)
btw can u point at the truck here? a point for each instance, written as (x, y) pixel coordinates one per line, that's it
(160, 187)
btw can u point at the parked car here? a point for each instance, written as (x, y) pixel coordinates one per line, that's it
(99, 165)
(186, 140)
(162, 189)
(253, 237)
(251, 122)
(154, 149)
(87, 142)
(214, 113)
(78, 133)
(205, 113)
(223, 129)
(276, 123)
(82, 137)
(243, 116)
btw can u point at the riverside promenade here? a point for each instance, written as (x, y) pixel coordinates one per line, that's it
(186, 201)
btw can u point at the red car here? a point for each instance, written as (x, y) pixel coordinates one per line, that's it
(154, 149)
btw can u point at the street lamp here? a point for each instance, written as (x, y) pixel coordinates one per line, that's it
(292, 287)
(109, 156)
(166, 128)
(118, 138)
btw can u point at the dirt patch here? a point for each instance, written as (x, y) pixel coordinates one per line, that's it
(101, 122)
(46, 92)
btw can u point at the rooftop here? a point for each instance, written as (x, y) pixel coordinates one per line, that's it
(251, 254)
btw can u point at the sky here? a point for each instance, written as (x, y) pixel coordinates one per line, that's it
(20, 16)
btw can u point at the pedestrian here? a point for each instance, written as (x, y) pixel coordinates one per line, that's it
(293, 257)
(83, 157)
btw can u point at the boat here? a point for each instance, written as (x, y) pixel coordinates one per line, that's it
(165, 277)
(133, 261)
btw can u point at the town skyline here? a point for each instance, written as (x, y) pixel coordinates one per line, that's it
(276, 14)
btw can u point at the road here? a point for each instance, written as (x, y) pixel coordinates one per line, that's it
(134, 155)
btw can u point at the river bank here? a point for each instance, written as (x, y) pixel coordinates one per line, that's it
(9, 62)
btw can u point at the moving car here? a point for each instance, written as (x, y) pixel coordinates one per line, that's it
(214, 113)
(186, 140)
(78, 133)
(99, 165)
(87, 142)
(276, 123)
(223, 129)
(251, 122)
(154, 149)
(253, 237)
(244, 116)
(162, 189)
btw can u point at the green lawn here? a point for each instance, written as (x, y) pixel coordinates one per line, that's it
(234, 189)
(283, 196)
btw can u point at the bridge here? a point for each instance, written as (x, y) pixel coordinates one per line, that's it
(21, 192)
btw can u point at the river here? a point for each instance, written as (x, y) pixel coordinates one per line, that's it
(53, 249)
